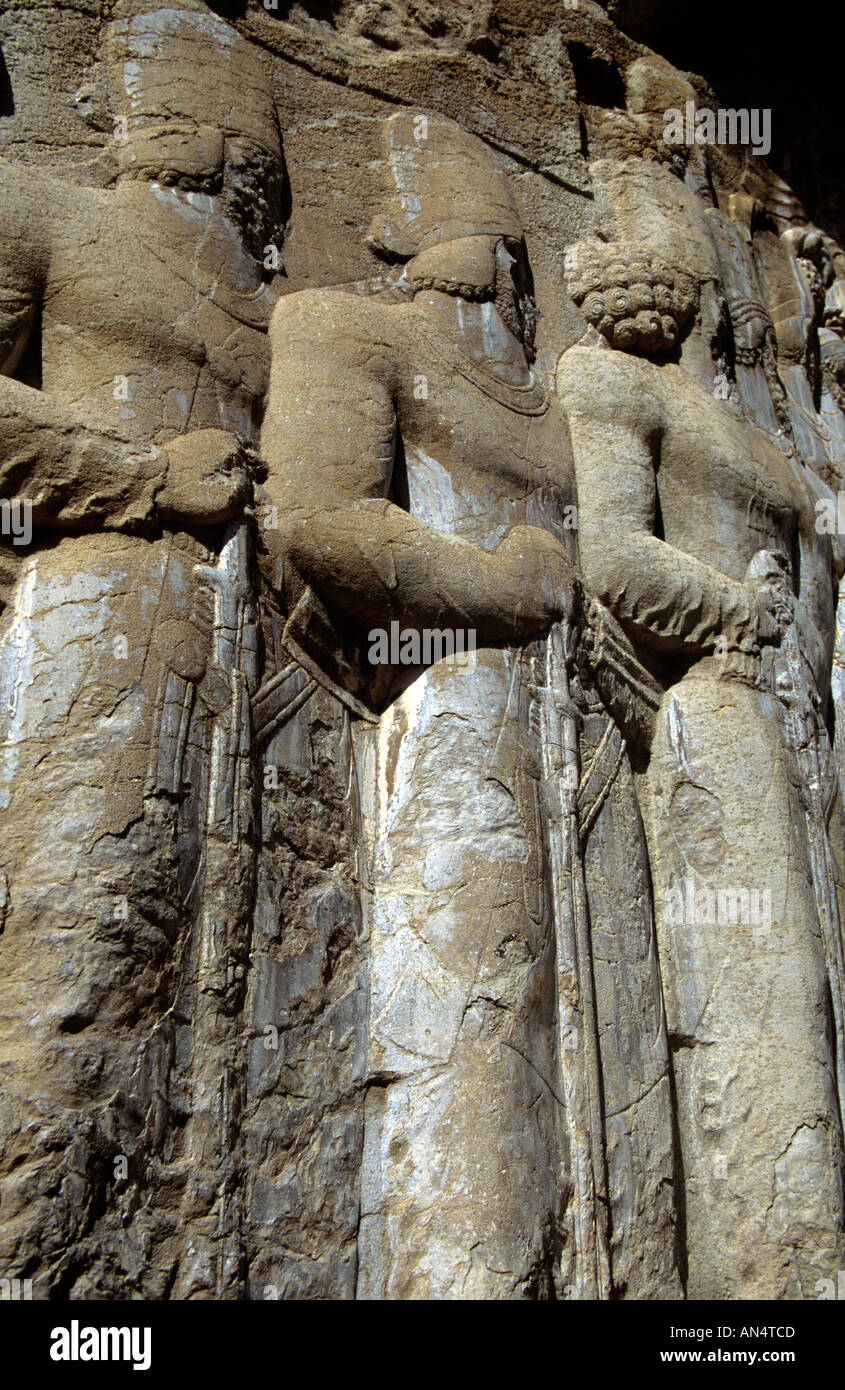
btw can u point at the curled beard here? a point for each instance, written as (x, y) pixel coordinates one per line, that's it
(253, 184)
(518, 311)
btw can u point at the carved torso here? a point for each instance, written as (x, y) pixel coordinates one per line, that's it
(482, 455)
(194, 350)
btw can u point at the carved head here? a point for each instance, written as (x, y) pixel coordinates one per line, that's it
(793, 271)
(450, 216)
(637, 302)
(197, 109)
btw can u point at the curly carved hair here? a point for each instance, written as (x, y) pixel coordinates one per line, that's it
(637, 302)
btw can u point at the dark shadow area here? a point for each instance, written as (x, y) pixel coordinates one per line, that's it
(763, 56)
(597, 81)
(28, 370)
(7, 100)
(228, 9)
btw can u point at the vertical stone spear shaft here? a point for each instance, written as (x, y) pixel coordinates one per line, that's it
(212, 1261)
(578, 1041)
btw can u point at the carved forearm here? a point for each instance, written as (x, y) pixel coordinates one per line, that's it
(667, 599)
(378, 564)
(70, 473)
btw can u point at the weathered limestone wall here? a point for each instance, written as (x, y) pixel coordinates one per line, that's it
(422, 484)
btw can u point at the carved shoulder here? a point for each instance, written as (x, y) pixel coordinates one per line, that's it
(29, 200)
(611, 387)
(329, 426)
(333, 327)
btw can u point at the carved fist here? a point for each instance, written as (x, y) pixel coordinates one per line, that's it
(539, 577)
(209, 477)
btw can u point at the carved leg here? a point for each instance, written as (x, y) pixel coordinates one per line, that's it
(746, 995)
(90, 952)
(466, 1183)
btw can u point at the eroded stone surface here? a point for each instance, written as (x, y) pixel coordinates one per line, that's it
(337, 962)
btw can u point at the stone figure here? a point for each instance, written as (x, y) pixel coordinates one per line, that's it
(697, 528)
(423, 478)
(128, 650)
(422, 701)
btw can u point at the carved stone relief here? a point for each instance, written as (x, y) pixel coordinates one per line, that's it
(421, 736)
